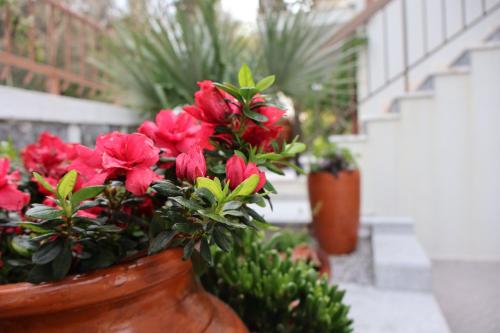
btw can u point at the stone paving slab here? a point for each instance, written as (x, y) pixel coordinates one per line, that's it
(469, 294)
(382, 311)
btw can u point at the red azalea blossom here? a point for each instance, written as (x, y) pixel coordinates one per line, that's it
(176, 133)
(49, 156)
(212, 105)
(191, 165)
(11, 198)
(262, 135)
(116, 154)
(237, 172)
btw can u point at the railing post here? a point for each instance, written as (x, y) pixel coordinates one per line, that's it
(52, 84)
(405, 46)
(7, 40)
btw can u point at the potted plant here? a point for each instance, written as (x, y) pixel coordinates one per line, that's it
(334, 195)
(98, 240)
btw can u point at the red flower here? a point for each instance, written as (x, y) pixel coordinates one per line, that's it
(10, 197)
(191, 165)
(89, 165)
(117, 154)
(175, 133)
(212, 105)
(48, 156)
(237, 172)
(263, 134)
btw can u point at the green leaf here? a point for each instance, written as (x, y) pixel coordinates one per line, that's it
(40, 273)
(266, 82)
(34, 227)
(230, 89)
(255, 116)
(294, 148)
(245, 188)
(205, 251)
(187, 228)
(255, 215)
(43, 182)
(248, 93)
(187, 203)
(188, 249)
(161, 241)
(47, 252)
(62, 263)
(212, 185)
(270, 156)
(66, 184)
(166, 188)
(22, 246)
(206, 195)
(86, 193)
(245, 78)
(221, 239)
(232, 205)
(43, 212)
(271, 167)
(269, 187)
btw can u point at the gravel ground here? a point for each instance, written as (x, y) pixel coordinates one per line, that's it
(356, 267)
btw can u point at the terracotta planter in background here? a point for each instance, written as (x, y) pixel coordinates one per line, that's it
(152, 294)
(317, 257)
(335, 203)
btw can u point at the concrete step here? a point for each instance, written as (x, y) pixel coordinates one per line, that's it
(393, 225)
(287, 211)
(400, 262)
(389, 311)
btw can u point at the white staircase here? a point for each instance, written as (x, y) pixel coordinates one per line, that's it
(436, 157)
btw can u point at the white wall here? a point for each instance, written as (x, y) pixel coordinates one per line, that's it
(432, 45)
(437, 159)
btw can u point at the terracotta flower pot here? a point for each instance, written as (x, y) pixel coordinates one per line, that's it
(335, 203)
(317, 257)
(152, 294)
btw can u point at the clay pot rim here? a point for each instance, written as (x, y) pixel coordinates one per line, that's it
(115, 282)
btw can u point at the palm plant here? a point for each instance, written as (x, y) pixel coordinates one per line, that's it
(308, 66)
(159, 63)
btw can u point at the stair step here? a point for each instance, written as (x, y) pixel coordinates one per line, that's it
(494, 36)
(393, 225)
(422, 93)
(400, 262)
(464, 59)
(287, 211)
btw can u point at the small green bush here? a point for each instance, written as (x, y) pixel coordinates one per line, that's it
(272, 294)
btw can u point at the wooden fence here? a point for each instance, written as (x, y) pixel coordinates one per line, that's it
(45, 46)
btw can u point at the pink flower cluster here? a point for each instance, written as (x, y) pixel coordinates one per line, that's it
(135, 158)
(119, 155)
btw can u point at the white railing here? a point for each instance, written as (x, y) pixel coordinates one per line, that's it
(404, 39)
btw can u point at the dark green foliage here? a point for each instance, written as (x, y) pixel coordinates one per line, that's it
(272, 294)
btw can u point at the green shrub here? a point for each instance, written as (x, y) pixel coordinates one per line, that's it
(272, 294)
